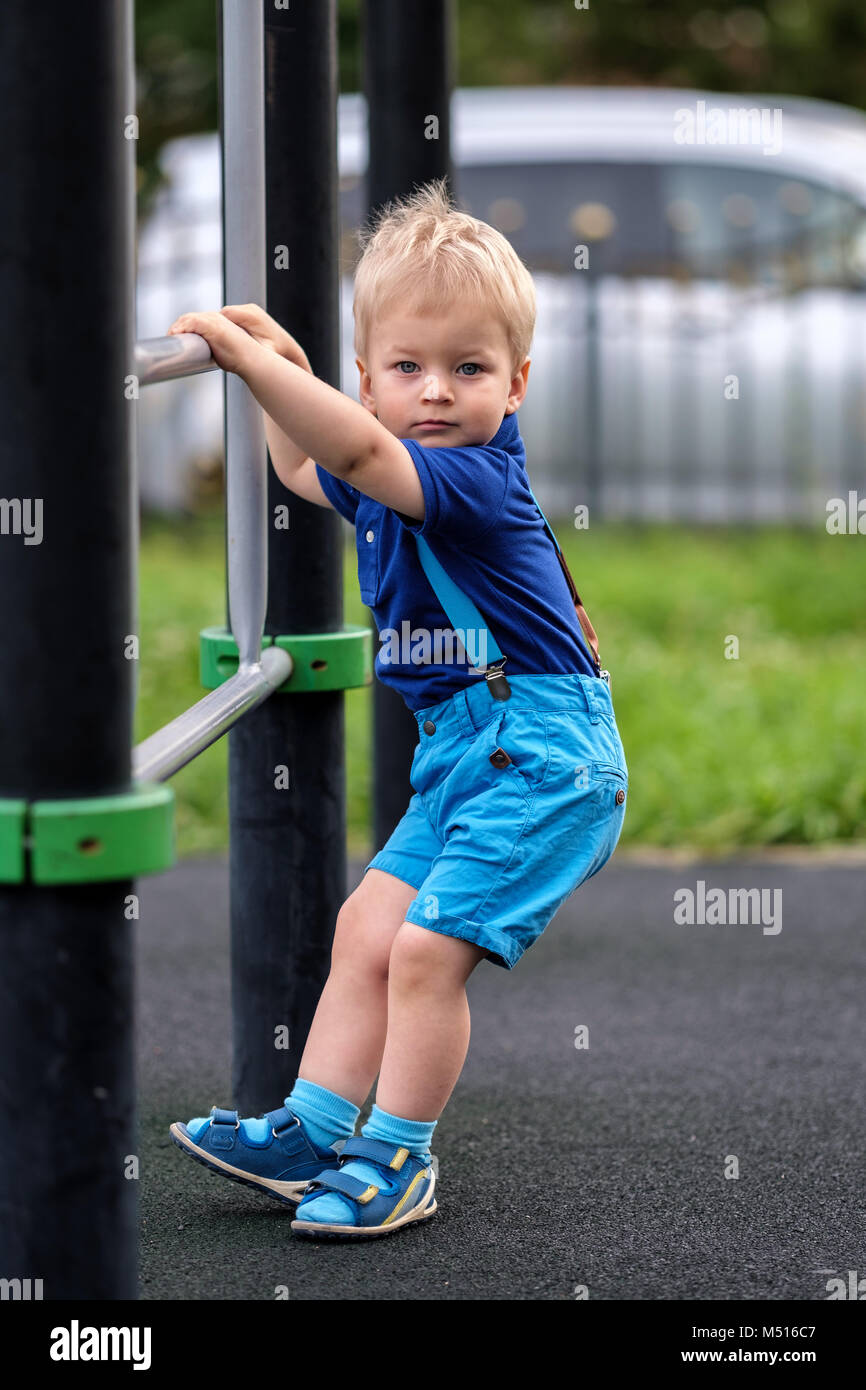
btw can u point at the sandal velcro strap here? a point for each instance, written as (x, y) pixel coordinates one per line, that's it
(281, 1120)
(224, 1117)
(344, 1182)
(389, 1155)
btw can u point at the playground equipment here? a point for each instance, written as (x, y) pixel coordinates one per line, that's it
(81, 816)
(408, 82)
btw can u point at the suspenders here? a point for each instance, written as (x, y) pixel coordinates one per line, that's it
(463, 614)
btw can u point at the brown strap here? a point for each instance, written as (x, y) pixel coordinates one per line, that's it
(582, 615)
(589, 632)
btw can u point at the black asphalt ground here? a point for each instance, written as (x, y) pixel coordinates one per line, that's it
(561, 1167)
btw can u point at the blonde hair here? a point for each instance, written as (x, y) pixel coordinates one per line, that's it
(424, 253)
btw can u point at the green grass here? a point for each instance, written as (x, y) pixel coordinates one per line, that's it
(723, 754)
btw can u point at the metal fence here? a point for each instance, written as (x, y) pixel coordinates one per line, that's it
(701, 402)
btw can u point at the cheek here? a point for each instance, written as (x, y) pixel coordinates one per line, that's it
(483, 391)
(381, 389)
(392, 384)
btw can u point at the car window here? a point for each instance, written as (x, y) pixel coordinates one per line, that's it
(545, 210)
(690, 219)
(748, 224)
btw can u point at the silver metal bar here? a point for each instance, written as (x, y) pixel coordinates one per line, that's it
(164, 359)
(244, 282)
(134, 487)
(168, 750)
(160, 359)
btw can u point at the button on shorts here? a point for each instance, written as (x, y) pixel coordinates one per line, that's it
(495, 845)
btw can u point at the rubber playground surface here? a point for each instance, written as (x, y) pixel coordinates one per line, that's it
(650, 1109)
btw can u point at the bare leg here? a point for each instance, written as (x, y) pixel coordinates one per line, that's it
(347, 1035)
(427, 1017)
(428, 1021)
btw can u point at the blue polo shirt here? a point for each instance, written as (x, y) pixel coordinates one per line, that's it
(482, 525)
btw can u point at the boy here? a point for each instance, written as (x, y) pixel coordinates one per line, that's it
(519, 776)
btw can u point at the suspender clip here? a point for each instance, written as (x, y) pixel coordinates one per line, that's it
(497, 685)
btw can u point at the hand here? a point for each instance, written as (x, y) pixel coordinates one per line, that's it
(267, 332)
(231, 347)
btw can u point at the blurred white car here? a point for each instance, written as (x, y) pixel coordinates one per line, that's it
(700, 260)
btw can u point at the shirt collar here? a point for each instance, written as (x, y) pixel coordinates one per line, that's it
(507, 437)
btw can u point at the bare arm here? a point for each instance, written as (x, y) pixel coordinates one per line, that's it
(328, 426)
(292, 466)
(340, 434)
(321, 423)
(294, 469)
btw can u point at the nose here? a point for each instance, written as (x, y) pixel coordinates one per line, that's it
(434, 389)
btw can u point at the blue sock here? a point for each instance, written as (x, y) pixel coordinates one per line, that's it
(325, 1116)
(414, 1135)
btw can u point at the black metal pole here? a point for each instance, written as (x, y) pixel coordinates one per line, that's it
(287, 844)
(68, 1200)
(407, 80)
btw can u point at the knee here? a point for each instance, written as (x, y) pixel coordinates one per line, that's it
(419, 960)
(359, 942)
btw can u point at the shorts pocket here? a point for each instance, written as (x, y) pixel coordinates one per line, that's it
(604, 770)
(585, 754)
(522, 734)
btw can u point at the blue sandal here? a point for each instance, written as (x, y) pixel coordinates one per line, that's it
(405, 1195)
(272, 1153)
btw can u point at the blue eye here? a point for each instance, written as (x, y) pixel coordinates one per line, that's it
(473, 366)
(410, 365)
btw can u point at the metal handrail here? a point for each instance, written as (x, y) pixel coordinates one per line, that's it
(183, 354)
(172, 747)
(166, 359)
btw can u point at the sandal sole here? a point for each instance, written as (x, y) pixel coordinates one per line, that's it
(326, 1231)
(287, 1193)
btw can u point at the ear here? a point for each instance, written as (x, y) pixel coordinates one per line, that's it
(365, 390)
(517, 389)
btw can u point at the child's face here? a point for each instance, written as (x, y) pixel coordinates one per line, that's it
(452, 368)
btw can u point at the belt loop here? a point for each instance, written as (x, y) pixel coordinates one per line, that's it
(589, 689)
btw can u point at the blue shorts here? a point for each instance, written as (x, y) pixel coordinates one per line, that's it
(517, 802)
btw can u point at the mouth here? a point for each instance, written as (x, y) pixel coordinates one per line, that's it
(433, 424)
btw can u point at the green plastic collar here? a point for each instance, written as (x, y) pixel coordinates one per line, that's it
(322, 660)
(88, 839)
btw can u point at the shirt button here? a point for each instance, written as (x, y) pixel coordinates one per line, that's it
(499, 758)
(620, 797)
(429, 726)
(371, 535)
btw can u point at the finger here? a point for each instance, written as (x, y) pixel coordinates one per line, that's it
(239, 324)
(238, 317)
(205, 325)
(246, 311)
